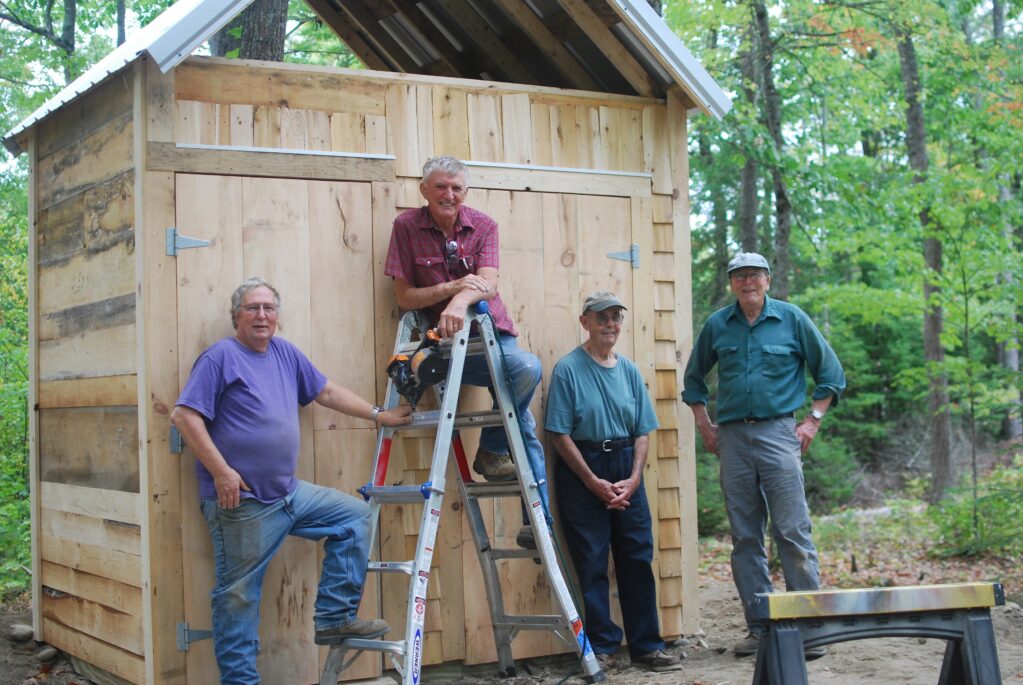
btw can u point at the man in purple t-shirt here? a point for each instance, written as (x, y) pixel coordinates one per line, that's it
(239, 414)
(444, 258)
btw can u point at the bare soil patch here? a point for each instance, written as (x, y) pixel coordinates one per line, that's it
(891, 661)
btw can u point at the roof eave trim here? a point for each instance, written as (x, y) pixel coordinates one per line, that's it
(675, 56)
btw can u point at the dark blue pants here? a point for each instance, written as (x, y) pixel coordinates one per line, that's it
(591, 530)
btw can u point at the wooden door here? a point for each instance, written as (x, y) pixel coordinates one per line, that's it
(313, 241)
(553, 252)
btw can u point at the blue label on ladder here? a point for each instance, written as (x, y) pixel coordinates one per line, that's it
(580, 636)
(417, 656)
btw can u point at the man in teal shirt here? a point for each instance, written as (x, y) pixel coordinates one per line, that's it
(599, 416)
(762, 348)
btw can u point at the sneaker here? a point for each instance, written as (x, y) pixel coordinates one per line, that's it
(607, 662)
(525, 538)
(359, 628)
(812, 653)
(658, 661)
(493, 467)
(748, 647)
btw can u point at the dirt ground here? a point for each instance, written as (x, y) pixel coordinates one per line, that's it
(891, 661)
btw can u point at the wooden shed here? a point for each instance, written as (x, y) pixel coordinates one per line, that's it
(572, 116)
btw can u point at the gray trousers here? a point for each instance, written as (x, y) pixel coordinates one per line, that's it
(761, 474)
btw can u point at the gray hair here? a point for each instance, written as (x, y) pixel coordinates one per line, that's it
(239, 294)
(446, 164)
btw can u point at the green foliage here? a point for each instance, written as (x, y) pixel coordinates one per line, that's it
(991, 523)
(14, 500)
(711, 518)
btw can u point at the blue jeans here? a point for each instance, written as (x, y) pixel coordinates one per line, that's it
(524, 371)
(761, 474)
(591, 529)
(246, 538)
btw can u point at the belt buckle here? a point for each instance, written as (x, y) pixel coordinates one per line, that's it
(604, 446)
(749, 419)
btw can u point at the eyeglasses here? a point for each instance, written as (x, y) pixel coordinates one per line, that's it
(254, 309)
(756, 275)
(604, 318)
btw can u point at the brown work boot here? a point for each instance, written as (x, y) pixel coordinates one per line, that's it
(748, 646)
(524, 538)
(365, 629)
(493, 467)
(658, 661)
(607, 662)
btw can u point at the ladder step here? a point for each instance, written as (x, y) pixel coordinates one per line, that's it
(484, 489)
(475, 346)
(431, 418)
(395, 646)
(517, 553)
(539, 622)
(391, 567)
(399, 494)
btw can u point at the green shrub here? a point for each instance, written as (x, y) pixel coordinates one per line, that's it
(831, 474)
(993, 523)
(710, 515)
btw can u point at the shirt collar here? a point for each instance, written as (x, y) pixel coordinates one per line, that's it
(769, 310)
(425, 221)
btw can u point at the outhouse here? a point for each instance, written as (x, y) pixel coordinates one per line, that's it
(160, 180)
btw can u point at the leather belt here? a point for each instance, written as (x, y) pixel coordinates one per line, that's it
(611, 445)
(758, 419)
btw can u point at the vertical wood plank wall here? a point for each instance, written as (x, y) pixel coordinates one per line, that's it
(412, 118)
(118, 522)
(88, 470)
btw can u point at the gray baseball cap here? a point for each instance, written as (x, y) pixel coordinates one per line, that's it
(600, 300)
(748, 260)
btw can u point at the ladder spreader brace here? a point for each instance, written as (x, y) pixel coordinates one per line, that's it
(406, 654)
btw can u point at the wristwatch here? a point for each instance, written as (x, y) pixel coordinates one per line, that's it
(817, 414)
(376, 413)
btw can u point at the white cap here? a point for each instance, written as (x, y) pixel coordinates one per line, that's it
(750, 260)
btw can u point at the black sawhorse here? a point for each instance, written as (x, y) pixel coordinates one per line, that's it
(959, 614)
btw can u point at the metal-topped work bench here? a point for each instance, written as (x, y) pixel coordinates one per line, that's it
(958, 613)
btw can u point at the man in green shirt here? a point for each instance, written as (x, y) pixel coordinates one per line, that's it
(761, 347)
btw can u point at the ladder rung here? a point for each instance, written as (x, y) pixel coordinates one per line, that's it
(398, 494)
(391, 567)
(514, 553)
(539, 622)
(431, 418)
(396, 646)
(483, 489)
(475, 346)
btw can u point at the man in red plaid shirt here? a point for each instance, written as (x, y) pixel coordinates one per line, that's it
(444, 258)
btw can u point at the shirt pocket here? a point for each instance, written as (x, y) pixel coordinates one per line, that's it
(777, 360)
(729, 364)
(429, 261)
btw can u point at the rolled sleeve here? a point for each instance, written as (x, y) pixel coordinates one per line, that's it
(701, 360)
(822, 363)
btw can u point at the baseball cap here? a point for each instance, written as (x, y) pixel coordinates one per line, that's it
(748, 260)
(600, 300)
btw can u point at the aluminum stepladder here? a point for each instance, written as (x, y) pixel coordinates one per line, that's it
(406, 654)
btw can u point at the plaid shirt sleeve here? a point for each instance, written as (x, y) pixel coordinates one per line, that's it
(400, 261)
(487, 256)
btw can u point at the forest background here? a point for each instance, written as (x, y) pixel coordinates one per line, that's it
(874, 154)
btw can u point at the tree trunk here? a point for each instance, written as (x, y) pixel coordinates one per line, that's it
(719, 221)
(940, 418)
(749, 176)
(1008, 352)
(120, 22)
(256, 33)
(771, 103)
(67, 37)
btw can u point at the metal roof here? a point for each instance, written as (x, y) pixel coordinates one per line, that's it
(614, 46)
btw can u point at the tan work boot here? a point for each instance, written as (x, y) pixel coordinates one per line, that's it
(493, 467)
